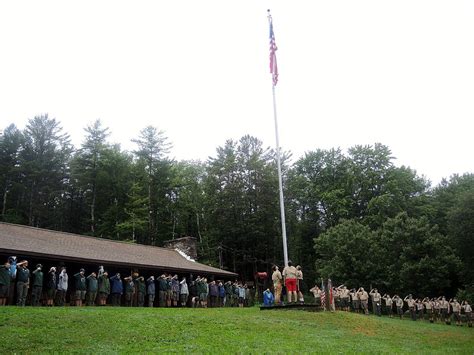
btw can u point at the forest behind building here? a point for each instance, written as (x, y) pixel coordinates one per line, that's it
(354, 215)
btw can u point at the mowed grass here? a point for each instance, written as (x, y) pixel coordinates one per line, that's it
(222, 330)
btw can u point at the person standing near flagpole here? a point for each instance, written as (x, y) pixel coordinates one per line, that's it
(323, 295)
(274, 72)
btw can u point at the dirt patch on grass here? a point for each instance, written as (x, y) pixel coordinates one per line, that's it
(364, 330)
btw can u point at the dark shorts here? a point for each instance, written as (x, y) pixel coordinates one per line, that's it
(4, 291)
(344, 302)
(103, 295)
(128, 296)
(80, 295)
(175, 296)
(203, 297)
(356, 304)
(241, 300)
(162, 296)
(183, 298)
(50, 293)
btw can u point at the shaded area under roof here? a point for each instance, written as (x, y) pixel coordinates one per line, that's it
(25, 240)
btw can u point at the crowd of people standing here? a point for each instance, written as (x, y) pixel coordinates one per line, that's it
(97, 288)
(431, 309)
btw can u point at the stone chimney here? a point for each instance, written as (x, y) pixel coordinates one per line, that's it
(187, 245)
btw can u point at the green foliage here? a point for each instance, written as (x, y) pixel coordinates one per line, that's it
(345, 254)
(418, 259)
(241, 208)
(354, 216)
(405, 255)
(461, 230)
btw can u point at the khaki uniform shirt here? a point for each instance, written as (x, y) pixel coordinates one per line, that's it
(299, 274)
(399, 302)
(427, 305)
(289, 272)
(467, 308)
(410, 302)
(443, 304)
(363, 295)
(375, 296)
(456, 307)
(354, 296)
(388, 302)
(276, 277)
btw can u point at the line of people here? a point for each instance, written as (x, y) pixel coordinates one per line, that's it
(432, 309)
(98, 288)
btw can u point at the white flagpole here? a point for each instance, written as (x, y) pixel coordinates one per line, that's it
(280, 181)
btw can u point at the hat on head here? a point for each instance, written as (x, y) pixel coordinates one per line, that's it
(82, 270)
(39, 266)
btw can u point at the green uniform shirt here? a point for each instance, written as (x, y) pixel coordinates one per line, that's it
(22, 274)
(92, 284)
(38, 276)
(104, 284)
(80, 282)
(129, 287)
(5, 277)
(141, 286)
(162, 284)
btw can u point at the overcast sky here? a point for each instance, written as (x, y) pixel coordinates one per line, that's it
(351, 72)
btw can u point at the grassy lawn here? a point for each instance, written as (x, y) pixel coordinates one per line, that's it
(228, 330)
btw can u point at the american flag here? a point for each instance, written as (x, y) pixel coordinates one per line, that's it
(323, 295)
(273, 48)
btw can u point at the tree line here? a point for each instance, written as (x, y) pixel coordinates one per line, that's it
(355, 217)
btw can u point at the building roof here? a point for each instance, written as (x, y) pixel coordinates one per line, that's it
(25, 240)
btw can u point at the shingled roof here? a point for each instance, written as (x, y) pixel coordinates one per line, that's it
(24, 240)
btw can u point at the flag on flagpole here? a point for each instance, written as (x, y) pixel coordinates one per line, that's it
(323, 295)
(273, 48)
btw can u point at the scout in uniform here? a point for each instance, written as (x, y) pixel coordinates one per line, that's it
(92, 287)
(80, 284)
(411, 303)
(436, 309)
(104, 286)
(289, 275)
(420, 309)
(364, 299)
(129, 290)
(399, 304)
(429, 308)
(468, 312)
(5, 281)
(388, 304)
(37, 288)
(456, 306)
(22, 282)
(277, 278)
(50, 286)
(299, 285)
(444, 307)
(375, 295)
(345, 298)
(316, 291)
(355, 300)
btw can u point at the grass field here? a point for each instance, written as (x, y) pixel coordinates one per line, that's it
(222, 330)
